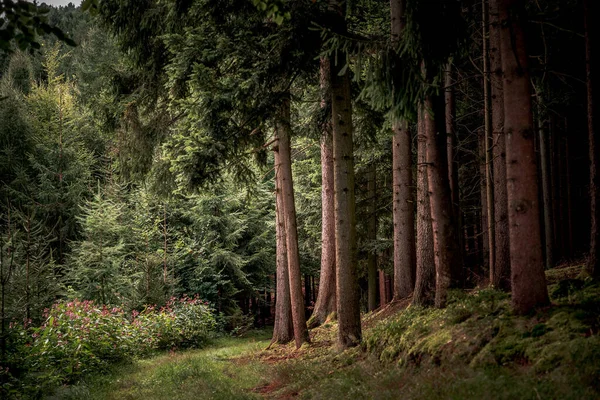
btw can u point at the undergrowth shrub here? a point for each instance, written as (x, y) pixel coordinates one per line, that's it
(80, 337)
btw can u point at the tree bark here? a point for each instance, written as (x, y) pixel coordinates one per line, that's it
(500, 275)
(325, 306)
(425, 285)
(382, 289)
(485, 242)
(593, 262)
(349, 332)
(282, 127)
(528, 280)
(488, 140)
(444, 235)
(568, 194)
(403, 212)
(283, 331)
(372, 236)
(450, 104)
(546, 190)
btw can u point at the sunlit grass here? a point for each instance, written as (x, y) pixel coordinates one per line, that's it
(216, 372)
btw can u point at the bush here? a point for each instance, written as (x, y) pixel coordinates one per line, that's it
(79, 337)
(184, 322)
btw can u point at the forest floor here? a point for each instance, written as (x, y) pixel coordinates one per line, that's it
(475, 348)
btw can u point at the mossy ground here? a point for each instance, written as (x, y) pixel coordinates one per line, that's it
(475, 348)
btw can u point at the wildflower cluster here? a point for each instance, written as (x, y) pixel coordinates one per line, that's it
(79, 336)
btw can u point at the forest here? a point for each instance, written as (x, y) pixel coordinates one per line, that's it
(231, 199)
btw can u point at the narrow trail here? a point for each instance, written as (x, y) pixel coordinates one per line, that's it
(223, 370)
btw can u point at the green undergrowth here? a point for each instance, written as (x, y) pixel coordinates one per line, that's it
(475, 348)
(222, 370)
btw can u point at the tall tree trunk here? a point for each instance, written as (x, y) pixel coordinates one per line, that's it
(453, 169)
(382, 289)
(444, 235)
(568, 194)
(527, 270)
(488, 139)
(500, 278)
(485, 256)
(326, 300)
(403, 209)
(425, 285)
(593, 263)
(555, 185)
(349, 332)
(283, 129)
(546, 189)
(372, 236)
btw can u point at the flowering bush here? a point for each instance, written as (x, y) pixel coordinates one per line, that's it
(79, 336)
(184, 322)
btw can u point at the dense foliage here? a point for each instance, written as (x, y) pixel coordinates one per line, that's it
(81, 337)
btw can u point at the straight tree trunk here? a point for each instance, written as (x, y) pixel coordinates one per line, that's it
(528, 280)
(562, 199)
(372, 236)
(283, 330)
(546, 190)
(500, 275)
(425, 285)
(488, 140)
(349, 332)
(325, 306)
(555, 185)
(593, 262)
(445, 242)
(382, 289)
(403, 211)
(568, 194)
(485, 248)
(285, 170)
(450, 103)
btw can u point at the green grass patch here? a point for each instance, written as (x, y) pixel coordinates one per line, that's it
(220, 371)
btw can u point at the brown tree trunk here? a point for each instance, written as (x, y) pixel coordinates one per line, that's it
(283, 331)
(485, 241)
(527, 270)
(450, 103)
(500, 275)
(403, 211)
(546, 189)
(372, 236)
(593, 262)
(555, 184)
(348, 311)
(568, 194)
(425, 285)
(489, 186)
(282, 128)
(326, 301)
(345, 218)
(445, 242)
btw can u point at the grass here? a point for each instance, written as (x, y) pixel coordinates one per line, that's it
(475, 348)
(215, 372)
